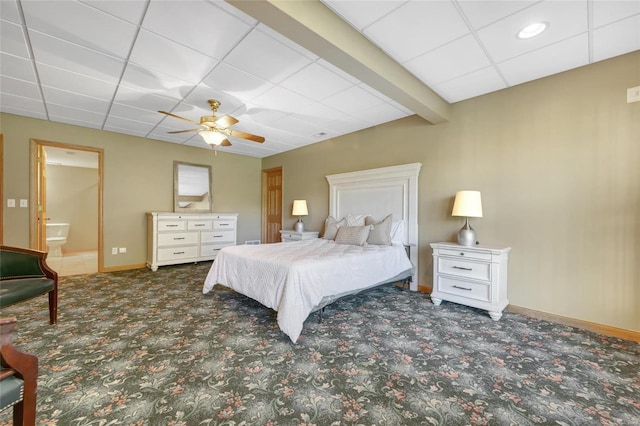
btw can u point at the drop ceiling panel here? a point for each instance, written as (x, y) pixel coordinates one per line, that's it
(9, 12)
(142, 115)
(566, 18)
(477, 83)
(61, 112)
(131, 11)
(12, 40)
(62, 97)
(281, 99)
(262, 56)
(553, 59)
(452, 60)
(126, 124)
(90, 27)
(17, 67)
(363, 13)
(482, 13)
(351, 100)
(417, 27)
(143, 79)
(191, 25)
(67, 56)
(161, 55)
(611, 11)
(144, 100)
(78, 83)
(17, 87)
(617, 38)
(239, 84)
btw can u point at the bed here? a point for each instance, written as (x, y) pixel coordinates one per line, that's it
(298, 278)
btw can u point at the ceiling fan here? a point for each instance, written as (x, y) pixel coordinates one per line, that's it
(214, 130)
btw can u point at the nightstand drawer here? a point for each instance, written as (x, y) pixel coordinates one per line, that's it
(476, 291)
(463, 268)
(466, 254)
(291, 236)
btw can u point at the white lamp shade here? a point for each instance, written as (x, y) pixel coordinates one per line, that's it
(211, 137)
(300, 208)
(467, 203)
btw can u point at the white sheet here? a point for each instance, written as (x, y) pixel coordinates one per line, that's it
(291, 278)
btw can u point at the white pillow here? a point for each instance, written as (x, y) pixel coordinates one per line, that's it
(352, 220)
(380, 233)
(397, 232)
(331, 226)
(353, 235)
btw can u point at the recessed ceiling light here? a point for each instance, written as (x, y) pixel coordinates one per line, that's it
(533, 30)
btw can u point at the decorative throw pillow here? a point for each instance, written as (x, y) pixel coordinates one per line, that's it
(331, 226)
(354, 235)
(352, 220)
(380, 233)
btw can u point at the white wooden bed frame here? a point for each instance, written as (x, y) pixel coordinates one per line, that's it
(379, 192)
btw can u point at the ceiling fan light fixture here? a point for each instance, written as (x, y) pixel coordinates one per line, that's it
(212, 137)
(532, 30)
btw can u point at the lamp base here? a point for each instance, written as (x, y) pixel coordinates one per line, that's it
(299, 226)
(466, 235)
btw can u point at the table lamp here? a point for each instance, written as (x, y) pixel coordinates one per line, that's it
(467, 204)
(299, 209)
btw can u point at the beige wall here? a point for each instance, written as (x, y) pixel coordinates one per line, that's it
(72, 197)
(138, 177)
(558, 164)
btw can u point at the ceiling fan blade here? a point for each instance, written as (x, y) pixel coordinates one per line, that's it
(185, 131)
(248, 136)
(226, 121)
(225, 142)
(179, 118)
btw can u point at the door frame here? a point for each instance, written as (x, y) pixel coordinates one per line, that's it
(35, 167)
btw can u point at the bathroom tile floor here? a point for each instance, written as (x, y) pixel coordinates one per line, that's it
(77, 263)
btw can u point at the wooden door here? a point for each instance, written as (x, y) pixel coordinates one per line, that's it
(271, 205)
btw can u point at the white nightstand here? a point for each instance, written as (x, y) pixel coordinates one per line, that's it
(287, 236)
(474, 276)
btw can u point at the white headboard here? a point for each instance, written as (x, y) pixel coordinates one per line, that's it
(379, 192)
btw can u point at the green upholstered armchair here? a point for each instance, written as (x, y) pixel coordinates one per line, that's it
(24, 274)
(18, 378)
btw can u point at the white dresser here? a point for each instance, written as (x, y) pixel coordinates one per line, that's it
(474, 276)
(174, 238)
(287, 236)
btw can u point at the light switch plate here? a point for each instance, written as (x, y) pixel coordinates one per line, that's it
(24, 203)
(11, 202)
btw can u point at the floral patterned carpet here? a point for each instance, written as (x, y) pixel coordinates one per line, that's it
(148, 348)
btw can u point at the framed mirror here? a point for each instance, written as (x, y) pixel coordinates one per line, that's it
(191, 188)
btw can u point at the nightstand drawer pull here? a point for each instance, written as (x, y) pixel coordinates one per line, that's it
(462, 288)
(178, 252)
(464, 269)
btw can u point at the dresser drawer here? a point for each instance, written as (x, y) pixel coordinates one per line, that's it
(172, 225)
(475, 291)
(209, 250)
(173, 253)
(199, 225)
(464, 268)
(466, 254)
(223, 224)
(218, 237)
(177, 238)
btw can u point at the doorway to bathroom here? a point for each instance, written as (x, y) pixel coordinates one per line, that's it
(68, 206)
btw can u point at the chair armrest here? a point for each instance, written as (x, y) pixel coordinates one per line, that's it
(25, 365)
(16, 262)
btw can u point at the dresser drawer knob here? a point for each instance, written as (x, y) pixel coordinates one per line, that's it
(464, 269)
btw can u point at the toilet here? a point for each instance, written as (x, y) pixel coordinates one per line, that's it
(57, 234)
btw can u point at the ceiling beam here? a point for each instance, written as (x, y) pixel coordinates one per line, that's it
(317, 28)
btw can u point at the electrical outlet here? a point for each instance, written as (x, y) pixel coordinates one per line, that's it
(633, 94)
(114, 250)
(122, 250)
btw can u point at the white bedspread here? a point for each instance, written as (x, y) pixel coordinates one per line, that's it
(293, 277)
